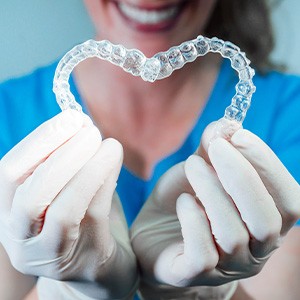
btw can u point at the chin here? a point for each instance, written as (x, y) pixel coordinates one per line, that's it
(152, 26)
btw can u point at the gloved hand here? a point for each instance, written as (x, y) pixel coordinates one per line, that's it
(57, 186)
(209, 223)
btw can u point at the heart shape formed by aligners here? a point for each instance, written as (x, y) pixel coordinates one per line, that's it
(160, 66)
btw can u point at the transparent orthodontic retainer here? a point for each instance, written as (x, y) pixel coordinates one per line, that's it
(158, 67)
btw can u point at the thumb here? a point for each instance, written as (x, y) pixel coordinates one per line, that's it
(21, 161)
(222, 128)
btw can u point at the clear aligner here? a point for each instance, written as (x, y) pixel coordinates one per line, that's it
(158, 67)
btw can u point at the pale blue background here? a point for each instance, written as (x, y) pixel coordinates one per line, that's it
(36, 32)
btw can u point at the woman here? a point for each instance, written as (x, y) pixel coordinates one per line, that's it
(207, 224)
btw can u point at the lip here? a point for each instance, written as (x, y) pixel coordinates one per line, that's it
(155, 27)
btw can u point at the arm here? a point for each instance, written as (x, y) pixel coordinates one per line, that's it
(280, 277)
(32, 294)
(10, 278)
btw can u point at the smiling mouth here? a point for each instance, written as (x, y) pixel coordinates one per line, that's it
(151, 18)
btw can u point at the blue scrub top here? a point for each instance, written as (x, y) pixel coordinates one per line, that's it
(274, 116)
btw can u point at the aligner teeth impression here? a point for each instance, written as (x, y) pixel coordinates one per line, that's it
(160, 66)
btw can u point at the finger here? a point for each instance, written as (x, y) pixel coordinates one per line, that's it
(118, 225)
(279, 182)
(170, 186)
(243, 184)
(227, 227)
(111, 160)
(101, 213)
(33, 197)
(222, 128)
(21, 161)
(86, 200)
(179, 265)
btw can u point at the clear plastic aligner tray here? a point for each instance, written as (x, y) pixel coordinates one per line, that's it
(158, 67)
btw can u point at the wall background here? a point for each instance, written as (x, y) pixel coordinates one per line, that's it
(35, 32)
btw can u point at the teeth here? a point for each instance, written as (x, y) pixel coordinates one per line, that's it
(144, 16)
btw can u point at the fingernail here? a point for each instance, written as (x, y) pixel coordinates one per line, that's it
(71, 118)
(186, 201)
(225, 129)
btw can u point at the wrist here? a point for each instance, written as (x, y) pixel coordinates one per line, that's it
(149, 291)
(49, 289)
(240, 293)
(117, 279)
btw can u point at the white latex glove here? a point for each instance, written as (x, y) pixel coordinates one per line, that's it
(208, 225)
(56, 188)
